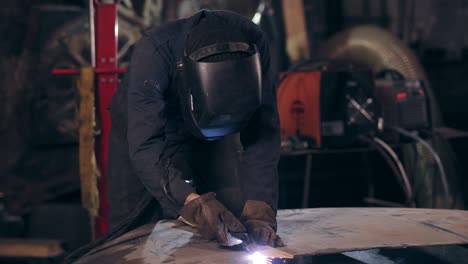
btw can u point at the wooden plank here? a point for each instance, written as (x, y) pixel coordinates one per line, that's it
(10, 248)
(306, 232)
(328, 230)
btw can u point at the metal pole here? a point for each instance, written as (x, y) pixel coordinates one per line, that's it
(307, 172)
(92, 36)
(107, 79)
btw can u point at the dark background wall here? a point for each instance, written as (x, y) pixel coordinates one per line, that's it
(48, 171)
(38, 125)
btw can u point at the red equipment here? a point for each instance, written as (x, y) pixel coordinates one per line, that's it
(298, 105)
(104, 55)
(326, 106)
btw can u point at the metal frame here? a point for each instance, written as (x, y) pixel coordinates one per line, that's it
(104, 37)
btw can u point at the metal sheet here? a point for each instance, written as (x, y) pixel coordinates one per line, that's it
(306, 232)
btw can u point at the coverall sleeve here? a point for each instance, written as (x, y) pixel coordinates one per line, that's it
(148, 81)
(261, 141)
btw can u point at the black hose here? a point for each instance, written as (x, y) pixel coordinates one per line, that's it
(392, 163)
(128, 224)
(440, 166)
(404, 175)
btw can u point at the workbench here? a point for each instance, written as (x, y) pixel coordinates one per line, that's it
(321, 235)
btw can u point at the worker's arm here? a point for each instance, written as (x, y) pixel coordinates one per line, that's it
(149, 148)
(259, 178)
(261, 141)
(147, 138)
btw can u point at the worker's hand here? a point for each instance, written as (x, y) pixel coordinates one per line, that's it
(260, 221)
(191, 197)
(211, 218)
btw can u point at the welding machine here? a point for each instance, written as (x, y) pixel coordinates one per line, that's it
(404, 104)
(329, 105)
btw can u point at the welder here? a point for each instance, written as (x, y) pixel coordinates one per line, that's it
(195, 131)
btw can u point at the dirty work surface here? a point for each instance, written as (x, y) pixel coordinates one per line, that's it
(305, 231)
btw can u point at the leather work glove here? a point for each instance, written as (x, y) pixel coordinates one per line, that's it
(260, 221)
(211, 219)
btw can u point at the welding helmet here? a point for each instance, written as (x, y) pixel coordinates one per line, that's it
(219, 87)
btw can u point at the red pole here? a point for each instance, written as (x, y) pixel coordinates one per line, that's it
(106, 60)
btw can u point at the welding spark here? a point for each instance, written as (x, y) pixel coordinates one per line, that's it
(257, 258)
